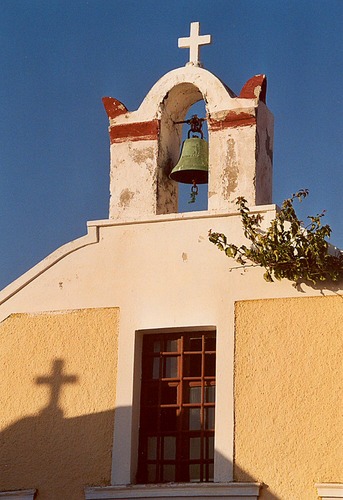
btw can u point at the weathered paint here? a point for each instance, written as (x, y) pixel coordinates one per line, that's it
(288, 394)
(256, 87)
(57, 392)
(143, 131)
(113, 107)
(232, 119)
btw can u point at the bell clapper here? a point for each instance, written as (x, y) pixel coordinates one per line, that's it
(194, 192)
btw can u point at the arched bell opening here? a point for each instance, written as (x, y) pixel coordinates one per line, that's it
(180, 104)
(193, 198)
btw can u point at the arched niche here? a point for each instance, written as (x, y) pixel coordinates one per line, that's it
(173, 109)
(172, 96)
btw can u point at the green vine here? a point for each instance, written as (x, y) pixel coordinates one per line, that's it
(286, 249)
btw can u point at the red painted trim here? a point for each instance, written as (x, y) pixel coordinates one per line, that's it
(250, 89)
(113, 107)
(232, 120)
(141, 131)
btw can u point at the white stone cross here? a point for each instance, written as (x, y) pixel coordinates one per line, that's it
(193, 43)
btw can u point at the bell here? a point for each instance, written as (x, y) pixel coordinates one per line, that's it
(193, 162)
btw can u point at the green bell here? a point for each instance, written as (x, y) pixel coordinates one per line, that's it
(192, 166)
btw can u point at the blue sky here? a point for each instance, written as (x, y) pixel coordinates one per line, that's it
(59, 58)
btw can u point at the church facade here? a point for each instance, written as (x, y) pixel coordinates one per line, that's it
(137, 364)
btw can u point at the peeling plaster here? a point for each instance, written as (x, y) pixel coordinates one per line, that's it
(141, 156)
(257, 90)
(269, 149)
(232, 119)
(230, 171)
(125, 197)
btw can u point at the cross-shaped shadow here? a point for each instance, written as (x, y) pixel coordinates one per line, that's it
(56, 380)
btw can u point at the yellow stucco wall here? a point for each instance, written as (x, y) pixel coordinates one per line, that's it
(288, 394)
(57, 393)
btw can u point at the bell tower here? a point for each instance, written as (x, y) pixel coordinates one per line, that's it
(145, 144)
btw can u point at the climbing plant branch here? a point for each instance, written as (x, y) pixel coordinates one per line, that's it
(286, 249)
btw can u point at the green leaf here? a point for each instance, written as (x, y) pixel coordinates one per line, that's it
(296, 253)
(268, 277)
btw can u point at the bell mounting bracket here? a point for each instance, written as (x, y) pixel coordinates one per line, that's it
(196, 125)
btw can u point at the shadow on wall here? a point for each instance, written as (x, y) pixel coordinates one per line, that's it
(53, 454)
(59, 456)
(323, 286)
